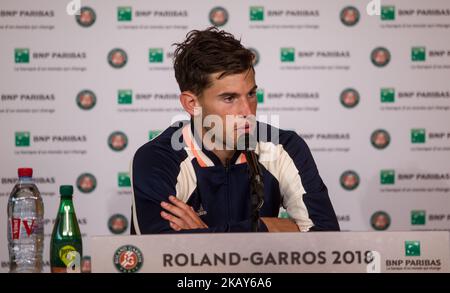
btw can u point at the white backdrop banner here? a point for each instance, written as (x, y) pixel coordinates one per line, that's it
(83, 86)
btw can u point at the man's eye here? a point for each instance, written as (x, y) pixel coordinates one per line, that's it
(252, 94)
(228, 99)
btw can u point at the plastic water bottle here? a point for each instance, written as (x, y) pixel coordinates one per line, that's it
(25, 225)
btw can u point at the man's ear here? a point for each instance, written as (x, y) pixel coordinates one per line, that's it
(190, 102)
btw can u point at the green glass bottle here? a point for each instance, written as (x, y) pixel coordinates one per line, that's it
(66, 248)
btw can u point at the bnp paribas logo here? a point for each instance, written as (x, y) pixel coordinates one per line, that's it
(387, 12)
(124, 13)
(22, 55)
(86, 17)
(349, 98)
(349, 180)
(287, 54)
(260, 96)
(86, 99)
(123, 179)
(256, 57)
(218, 16)
(380, 56)
(380, 139)
(153, 133)
(412, 248)
(155, 55)
(86, 183)
(117, 224)
(418, 54)
(418, 217)
(380, 220)
(387, 177)
(387, 95)
(125, 97)
(128, 259)
(117, 58)
(22, 138)
(418, 135)
(117, 141)
(256, 13)
(349, 16)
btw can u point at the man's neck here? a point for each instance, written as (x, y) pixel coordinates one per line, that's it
(224, 155)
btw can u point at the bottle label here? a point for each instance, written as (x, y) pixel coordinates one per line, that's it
(28, 224)
(67, 254)
(66, 257)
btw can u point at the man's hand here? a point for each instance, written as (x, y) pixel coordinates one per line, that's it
(280, 225)
(181, 216)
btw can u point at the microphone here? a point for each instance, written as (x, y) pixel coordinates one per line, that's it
(256, 181)
(250, 155)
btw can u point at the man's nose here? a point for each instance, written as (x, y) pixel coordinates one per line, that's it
(245, 108)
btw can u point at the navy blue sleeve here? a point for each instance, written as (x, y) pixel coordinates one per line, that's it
(154, 177)
(316, 198)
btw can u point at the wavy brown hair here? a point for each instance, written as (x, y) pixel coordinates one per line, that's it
(205, 52)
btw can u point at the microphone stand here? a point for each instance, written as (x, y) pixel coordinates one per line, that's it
(256, 189)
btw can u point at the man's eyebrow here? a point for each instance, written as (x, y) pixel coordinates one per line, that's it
(253, 88)
(226, 94)
(233, 94)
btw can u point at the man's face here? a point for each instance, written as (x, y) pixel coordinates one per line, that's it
(233, 96)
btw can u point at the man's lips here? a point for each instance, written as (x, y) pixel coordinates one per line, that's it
(244, 129)
(246, 126)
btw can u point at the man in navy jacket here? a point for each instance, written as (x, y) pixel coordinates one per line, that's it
(194, 178)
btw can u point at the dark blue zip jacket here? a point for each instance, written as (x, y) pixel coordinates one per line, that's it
(221, 194)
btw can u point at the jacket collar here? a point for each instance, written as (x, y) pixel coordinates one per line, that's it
(205, 157)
